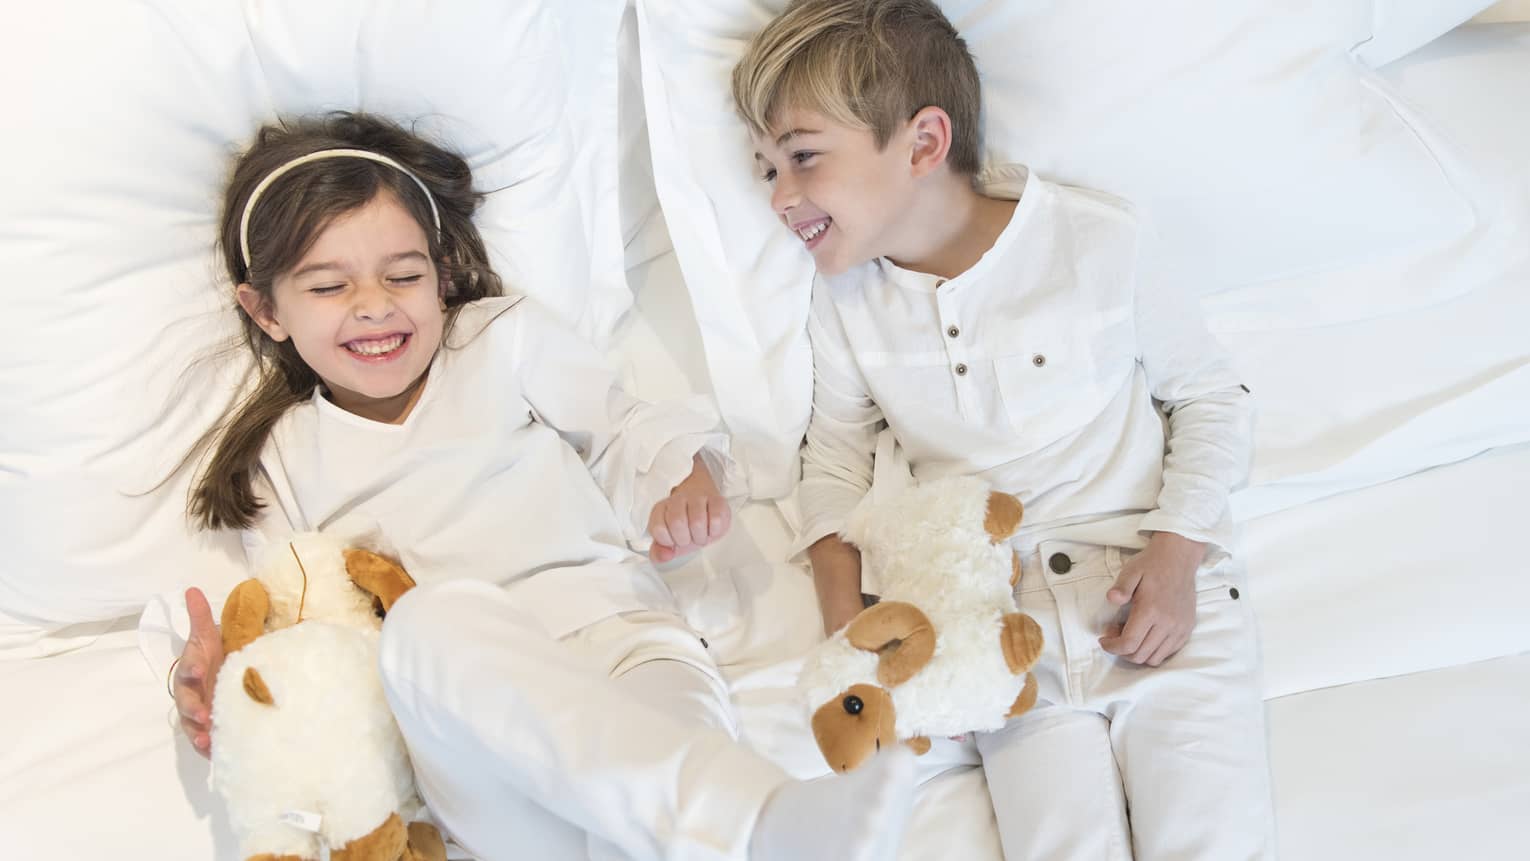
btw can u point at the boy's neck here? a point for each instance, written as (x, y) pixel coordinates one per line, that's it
(952, 227)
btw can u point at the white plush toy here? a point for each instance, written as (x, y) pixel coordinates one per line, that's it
(304, 747)
(944, 652)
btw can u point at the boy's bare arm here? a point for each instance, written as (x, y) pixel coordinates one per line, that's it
(837, 577)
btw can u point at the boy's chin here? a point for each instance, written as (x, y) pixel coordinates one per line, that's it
(830, 265)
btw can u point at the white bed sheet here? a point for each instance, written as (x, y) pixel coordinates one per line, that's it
(94, 768)
(1415, 768)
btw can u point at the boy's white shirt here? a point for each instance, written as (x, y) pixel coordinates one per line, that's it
(1067, 355)
(523, 464)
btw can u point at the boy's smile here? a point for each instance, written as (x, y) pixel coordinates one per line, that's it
(841, 195)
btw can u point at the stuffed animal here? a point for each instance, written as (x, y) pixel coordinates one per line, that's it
(944, 652)
(304, 747)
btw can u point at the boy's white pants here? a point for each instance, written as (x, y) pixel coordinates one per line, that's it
(1178, 751)
(616, 740)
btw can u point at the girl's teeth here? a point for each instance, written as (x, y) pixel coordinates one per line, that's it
(807, 233)
(377, 348)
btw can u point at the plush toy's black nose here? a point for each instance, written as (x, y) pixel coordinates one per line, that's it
(853, 705)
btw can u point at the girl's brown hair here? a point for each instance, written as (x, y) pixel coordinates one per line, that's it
(287, 220)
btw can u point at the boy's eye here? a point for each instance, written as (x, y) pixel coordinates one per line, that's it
(803, 156)
(770, 175)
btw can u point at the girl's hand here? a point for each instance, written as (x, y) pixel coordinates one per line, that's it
(838, 614)
(1159, 583)
(691, 517)
(196, 672)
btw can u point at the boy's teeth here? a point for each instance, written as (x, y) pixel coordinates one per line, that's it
(809, 232)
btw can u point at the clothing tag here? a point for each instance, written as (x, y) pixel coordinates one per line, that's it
(304, 819)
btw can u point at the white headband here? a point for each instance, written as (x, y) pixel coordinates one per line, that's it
(249, 204)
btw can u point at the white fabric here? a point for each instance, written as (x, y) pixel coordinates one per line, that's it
(1182, 745)
(1247, 136)
(1399, 27)
(1328, 581)
(122, 140)
(1376, 371)
(523, 464)
(1414, 768)
(651, 776)
(1038, 370)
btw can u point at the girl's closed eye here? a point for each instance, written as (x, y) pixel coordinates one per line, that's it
(326, 289)
(404, 280)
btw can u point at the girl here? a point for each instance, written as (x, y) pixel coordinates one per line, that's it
(540, 665)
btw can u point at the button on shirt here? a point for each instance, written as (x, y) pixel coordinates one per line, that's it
(1041, 369)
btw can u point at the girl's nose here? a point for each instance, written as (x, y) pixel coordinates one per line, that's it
(373, 301)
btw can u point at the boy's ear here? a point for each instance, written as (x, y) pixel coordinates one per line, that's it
(931, 130)
(260, 311)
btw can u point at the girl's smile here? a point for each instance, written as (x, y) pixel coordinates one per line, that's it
(363, 308)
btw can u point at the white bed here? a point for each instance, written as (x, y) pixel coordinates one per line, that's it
(1381, 540)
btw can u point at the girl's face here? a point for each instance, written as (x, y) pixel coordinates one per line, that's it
(364, 309)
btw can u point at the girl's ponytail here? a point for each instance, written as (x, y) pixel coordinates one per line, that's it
(223, 496)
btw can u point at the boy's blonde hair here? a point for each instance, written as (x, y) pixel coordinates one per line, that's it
(868, 64)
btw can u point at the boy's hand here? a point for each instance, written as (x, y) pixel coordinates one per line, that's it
(691, 517)
(1159, 583)
(196, 673)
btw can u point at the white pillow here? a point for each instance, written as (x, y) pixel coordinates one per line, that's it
(1246, 133)
(1400, 27)
(121, 127)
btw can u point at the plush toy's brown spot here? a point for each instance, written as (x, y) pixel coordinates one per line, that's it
(244, 615)
(267, 856)
(255, 686)
(1004, 513)
(1026, 699)
(425, 843)
(1022, 642)
(900, 633)
(380, 577)
(385, 843)
(853, 726)
(1014, 565)
(919, 745)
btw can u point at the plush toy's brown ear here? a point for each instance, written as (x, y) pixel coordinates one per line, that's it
(1026, 699)
(1021, 640)
(900, 633)
(377, 576)
(1004, 513)
(425, 843)
(244, 615)
(386, 842)
(855, 725)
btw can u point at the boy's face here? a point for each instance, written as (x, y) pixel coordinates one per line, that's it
(842, 197)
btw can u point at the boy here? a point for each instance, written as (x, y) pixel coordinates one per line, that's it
(995, 326)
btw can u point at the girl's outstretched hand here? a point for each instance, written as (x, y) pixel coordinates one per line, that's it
(693, 515)
(196, 672)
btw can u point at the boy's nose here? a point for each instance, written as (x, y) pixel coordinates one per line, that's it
(784, 196)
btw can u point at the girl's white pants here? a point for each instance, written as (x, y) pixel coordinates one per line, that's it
(614, 741)
(1121, 761)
